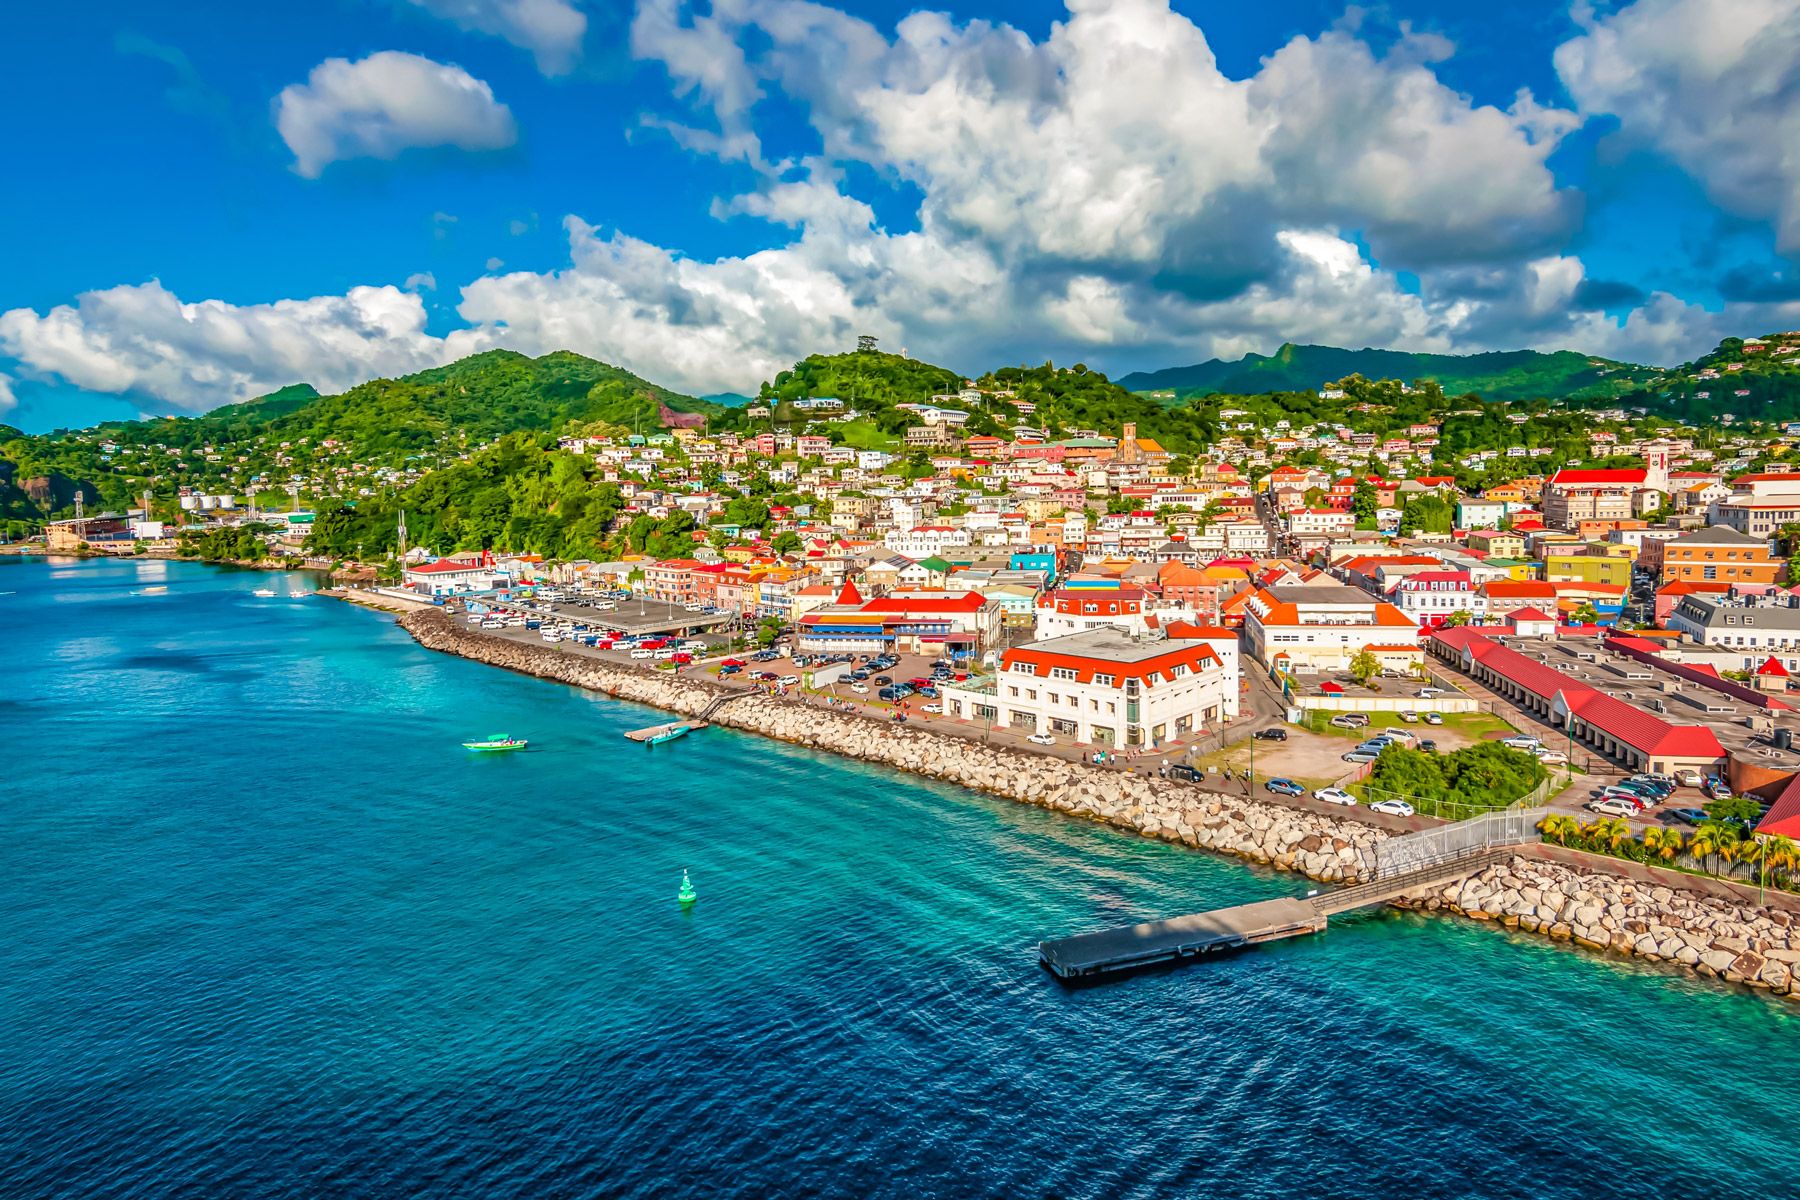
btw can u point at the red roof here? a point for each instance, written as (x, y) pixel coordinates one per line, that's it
(444, 566)
(849, 594)
(1773, 669)
(1783, 817)
(1644, 731)
(1626, 475)
(1529, 614)
(967, 602)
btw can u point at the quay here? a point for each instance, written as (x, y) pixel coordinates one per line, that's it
(1400, 866)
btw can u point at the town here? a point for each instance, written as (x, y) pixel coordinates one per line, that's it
(1308, 609)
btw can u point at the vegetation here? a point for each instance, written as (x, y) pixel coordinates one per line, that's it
(239, 543)
(1484, 776)
(1506, 375)
(520, 495)
(1715, 847)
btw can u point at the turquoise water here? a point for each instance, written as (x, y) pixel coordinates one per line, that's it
(270, 932)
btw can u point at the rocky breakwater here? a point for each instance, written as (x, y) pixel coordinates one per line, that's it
(1319, 846)
(1736, 942)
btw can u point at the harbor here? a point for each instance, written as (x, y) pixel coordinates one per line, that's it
(668, 731)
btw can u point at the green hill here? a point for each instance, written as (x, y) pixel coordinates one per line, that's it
(1058, 400)
(1736, 380)
(1502, 375)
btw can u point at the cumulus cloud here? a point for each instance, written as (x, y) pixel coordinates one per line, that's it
(1712, 84)
(550, 29)
(387, 103)
(8, 401)
(1105, 191)
(143, 340)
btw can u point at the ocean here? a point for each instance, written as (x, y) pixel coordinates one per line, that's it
(269, 931)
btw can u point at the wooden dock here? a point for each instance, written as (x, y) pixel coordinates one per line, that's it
(665, 731)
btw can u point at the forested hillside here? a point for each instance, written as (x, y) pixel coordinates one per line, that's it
(1503, 375)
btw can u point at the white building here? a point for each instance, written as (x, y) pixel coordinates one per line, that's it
(1105, 688)
(1321, 627)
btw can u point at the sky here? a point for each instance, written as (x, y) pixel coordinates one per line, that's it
(212, 200)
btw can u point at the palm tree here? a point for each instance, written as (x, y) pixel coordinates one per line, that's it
(1613, 834)
(1710, 839)
(1663, 843)
(1559, 828)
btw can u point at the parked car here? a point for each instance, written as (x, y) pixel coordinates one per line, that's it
(790, 680)
(1276, 734)
(1429, 694)
(1718, 789)
(1334, 796)
(934, 709)
(1612, 807)
(1393, 808)
(1551, 758)
(1688, 816)
(861, 689)
(1041, 739)
(1432, 718)
(1428, 745)
(1285, 787)
(1688, 777)
(1398, 734)
(1521, 741)
(1350, 721)
(1186, 774)
(1409, 716)
(728, 669)
(1360, 756)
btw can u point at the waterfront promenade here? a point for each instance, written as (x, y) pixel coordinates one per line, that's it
(1656, 919)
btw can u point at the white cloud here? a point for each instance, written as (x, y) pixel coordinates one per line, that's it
(8, 401)
(550, 29)
(421, 281)
(143, 340)
(387, 103)
(1712, 84)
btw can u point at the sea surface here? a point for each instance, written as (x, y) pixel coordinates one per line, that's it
(267, 930)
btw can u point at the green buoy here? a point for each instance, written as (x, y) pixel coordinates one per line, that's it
(686, 895)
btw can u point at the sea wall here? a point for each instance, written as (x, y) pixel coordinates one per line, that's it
(1735, 940)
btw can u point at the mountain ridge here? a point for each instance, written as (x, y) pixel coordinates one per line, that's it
(1494, 375)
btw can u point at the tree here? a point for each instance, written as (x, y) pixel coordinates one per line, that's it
(1461, 616)
(1364, 667)
(1429, 514)
(786, 542)
(1560, 828)
(1663, 843)
(768, 631)
(1364, 502)
(1734, 808)
(1586, 614)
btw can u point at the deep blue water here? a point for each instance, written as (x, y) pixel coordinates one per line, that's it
(268, 931)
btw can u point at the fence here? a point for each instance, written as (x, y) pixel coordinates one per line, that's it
(1414, 851)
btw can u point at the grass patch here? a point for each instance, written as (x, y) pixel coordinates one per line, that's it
(866, 435)
(1474, 725)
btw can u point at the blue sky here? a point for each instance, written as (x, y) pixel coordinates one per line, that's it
(213, 199)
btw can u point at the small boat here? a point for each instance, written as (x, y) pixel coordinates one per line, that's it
(686, 895)
(496, 741)
(298, 595)
(669, 733)
(156, 589)
(263, 592)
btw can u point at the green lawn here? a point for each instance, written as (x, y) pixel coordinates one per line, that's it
(1475, 726)
(866, 435)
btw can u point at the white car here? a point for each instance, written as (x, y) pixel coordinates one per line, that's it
(1393, 808)
(1432, 718)
(933, 708)
(1041, 739)
(643, 654)
(1612, 806)
(1521, 741)
(790, 680)
(1399, 734)
(1430, 693)
(1409, 716)
(861, 689)
(1549, 757)
(1334, 796)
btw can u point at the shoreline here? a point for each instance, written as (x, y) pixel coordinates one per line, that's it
(1536, 891)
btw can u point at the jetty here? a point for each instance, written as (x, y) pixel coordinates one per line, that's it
(664, 732)
(1400, 866)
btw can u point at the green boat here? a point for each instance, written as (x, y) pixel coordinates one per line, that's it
(668, 733)
(497, 741)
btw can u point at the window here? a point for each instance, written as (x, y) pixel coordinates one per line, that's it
(1062, 672)
(1104, 680)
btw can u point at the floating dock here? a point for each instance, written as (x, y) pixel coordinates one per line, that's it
(1179, 939)
(665, 732)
